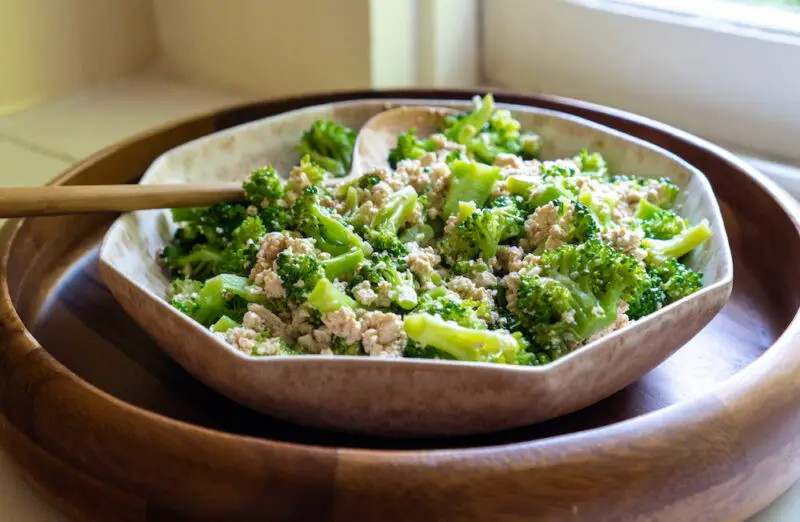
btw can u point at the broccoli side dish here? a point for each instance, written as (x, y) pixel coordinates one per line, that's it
(469, 247)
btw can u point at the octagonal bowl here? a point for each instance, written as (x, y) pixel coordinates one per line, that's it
(409, 397)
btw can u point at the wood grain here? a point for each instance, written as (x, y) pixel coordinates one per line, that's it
(61, 200)
(109, 428)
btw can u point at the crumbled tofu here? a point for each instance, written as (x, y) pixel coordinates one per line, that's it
(511, 283)
(264, 272)
(422, 262)
(627, 240)
(429, 178)
(383, 334)
(484, 279)
(545, 228)
(508, 160)
(500, 189)
(271, 346)
(266, 319)
(364, 294)
(243, 339)
(343, 323)
(317, 341)
(467, 289)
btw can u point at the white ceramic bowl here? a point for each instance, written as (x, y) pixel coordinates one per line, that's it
(408, 397)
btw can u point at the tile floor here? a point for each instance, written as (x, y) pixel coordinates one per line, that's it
(38, 144)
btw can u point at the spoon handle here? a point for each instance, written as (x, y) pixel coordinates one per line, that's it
(60, 200)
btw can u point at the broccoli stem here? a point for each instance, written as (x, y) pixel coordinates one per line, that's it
(646, 210)
(465, 210)
(661, 250)
(327, 297)
(215, 291)
(334, 237)
(464, 344)
(473, 122)
(224, 324)
(340, 265)
(470, 182)
(550, 193)
(396, 210)
(521, 185)
(351, 200)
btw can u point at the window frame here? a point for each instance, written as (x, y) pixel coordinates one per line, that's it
(731, 83)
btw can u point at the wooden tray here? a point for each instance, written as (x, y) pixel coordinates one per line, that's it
(107, 427)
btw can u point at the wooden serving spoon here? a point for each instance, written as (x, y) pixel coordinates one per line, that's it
(371, 150)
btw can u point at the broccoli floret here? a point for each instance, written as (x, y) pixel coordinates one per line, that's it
(331, 234)
(552, 189)
(200, 261)
(575, 294)
(469, 182)
(647, 297)
(339, 346)
(299, 274)
(234, 253)
(449, 305)
(213, 225)
(327, 297)
(340, 266)
(329, 145)
(414, 350)
(665, 194)
(394, 212)
(264, 186)
(409, 147)
(240, 253)
(463, 344)
(592, 164)
(578, 221)
(313, 173)
(664, 225)
(661, 250)
(381, 267)
(487, 132)
(481, 232)
(222, 295)
(677, 280)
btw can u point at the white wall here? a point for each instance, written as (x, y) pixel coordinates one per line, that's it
(52, 47)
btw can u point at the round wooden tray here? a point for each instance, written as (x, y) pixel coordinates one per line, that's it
(108, 427)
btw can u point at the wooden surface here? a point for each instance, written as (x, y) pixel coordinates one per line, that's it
(109, 428)
(60, 200)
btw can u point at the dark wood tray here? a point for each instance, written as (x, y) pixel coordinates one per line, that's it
(108, 427)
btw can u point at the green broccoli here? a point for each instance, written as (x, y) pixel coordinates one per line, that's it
(449, 305)
(575, 294)
(329, 145)
(661, 250)
(393, 213)
(383, 268)
(313, 172)
(327, 297)
(339, 346)
(463, 344)
(469, 182)
(646, 297)
(552, 189)
(299, 274)
(222, 295)
(341, 265)
(592, 164)
(331, 234)
(664, 225)
(239, 255)
(264, 186)
(677, 280)
(481, 233)
(487, 132)
(409, 147)
(664, 195)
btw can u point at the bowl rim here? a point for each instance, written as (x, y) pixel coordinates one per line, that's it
(724, 282)
(729, 398)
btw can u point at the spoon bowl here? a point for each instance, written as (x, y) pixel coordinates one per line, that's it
(408, 397)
